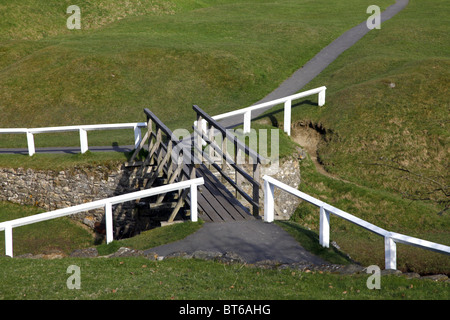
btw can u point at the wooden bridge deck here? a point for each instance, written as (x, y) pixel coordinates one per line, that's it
(216, 203)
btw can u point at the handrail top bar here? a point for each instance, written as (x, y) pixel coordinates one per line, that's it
(75, 127)
(101, 203)
(393, 235)
(228, 134)
(161, 125)
(329, 208)
(420, 243)
(13, 130)
(270, 103)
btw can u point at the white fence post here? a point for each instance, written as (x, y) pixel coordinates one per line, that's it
(324, 236)
(287, 117)
(109, 222)
(390, 238)
(390, 253)
(8, 241)
(269, 199)
(247, 120)
(137, 136)
(30, 141)
(83, 140)
(321, 101)
(194, 213)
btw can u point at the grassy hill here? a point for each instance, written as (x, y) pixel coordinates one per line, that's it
(387, 112)
(384, 128)
(165, 55)
(384, 135)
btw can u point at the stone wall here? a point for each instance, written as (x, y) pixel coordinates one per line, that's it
(286, 171)
(53, 190)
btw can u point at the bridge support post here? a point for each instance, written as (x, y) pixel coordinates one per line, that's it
(324, 236)
(83, 140)
(390, 253)
(269, 206)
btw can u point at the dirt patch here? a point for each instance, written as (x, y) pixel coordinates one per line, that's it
(309, 136)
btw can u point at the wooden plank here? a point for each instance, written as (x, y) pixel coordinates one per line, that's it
(216, 200)
(231, 205)
(213, 198)
(207, 203)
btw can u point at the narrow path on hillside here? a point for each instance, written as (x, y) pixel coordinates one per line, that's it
(316, 65)
(292, 85)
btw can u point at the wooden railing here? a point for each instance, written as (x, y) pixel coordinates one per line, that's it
(217, 140)
(247, 112)
(165, 157)
(390, 238)
(82, 129)
(107, 203)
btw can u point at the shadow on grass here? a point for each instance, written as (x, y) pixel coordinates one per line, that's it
(310, 241)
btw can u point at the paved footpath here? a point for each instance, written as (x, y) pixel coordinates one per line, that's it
(254, 241)
(319, 62)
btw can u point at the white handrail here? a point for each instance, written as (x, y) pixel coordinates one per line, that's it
(390, 238)
(105, 203)
(136, 126)
(287, 108)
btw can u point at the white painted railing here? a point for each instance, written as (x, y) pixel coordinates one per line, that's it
(104, 203)
(247, 112)
(390, 238)
(82, 129)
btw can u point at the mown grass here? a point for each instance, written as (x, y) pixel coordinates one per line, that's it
(164, 55)
(385, 137)
(191, 279)
(138, 278)
(386, 114)
(386, 117)
(57, 235)
(381, 208)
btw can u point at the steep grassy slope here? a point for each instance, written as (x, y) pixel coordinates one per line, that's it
(387, 111)
(385, 137)
(166, 55)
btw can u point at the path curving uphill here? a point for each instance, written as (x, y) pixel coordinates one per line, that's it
(319, 62)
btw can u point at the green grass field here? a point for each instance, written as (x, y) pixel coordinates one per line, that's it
(384, 129)
(191, 279)
(384, 136)
(220, 55)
